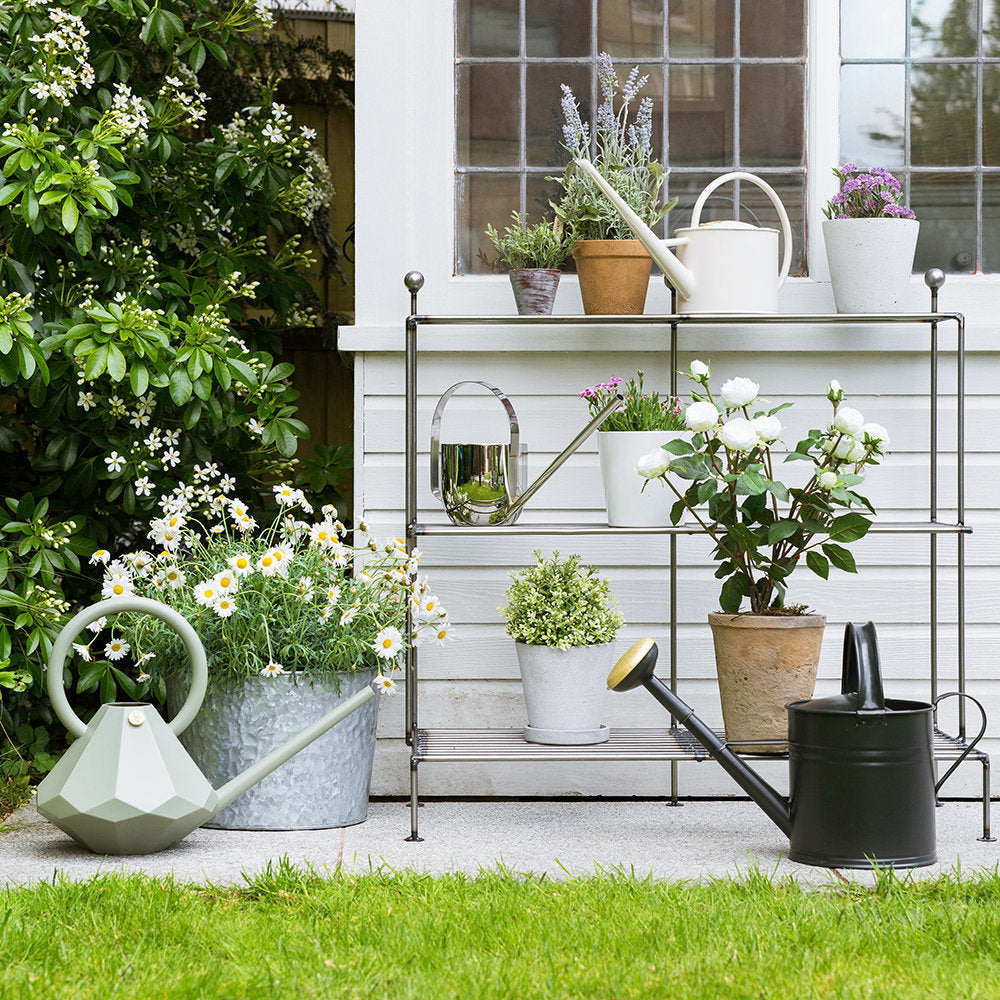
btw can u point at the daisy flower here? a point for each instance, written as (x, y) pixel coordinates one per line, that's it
(223, 606)
(323, 535)
(273, 670)
(284, 494)
(348, 614)
(116, 649)
(269, 566)
(387, 643)
(117, 585)
(385, 684)
(442, 633)
(173, 577)
(226, 582)
(205, 593)
(145, 658)
(97, 625)
(100, 556)
(83, 651)
(241, 564)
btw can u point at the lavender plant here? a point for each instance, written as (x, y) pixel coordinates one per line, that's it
(640, 411)
(621, 151)
(872, 194)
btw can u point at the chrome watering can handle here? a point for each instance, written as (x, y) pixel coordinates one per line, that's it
(786, 226)
(972, 745)
(514, 454)
(195, 651)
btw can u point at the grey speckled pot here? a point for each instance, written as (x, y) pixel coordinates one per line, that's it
(323, 786)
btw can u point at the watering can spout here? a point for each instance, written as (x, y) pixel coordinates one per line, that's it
(635, 669)
(678, 275)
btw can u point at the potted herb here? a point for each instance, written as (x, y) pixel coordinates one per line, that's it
(534, 256)
(643, 422)
(563, 620)
(294, 617)
(613, 267)
(724, 478)
(870, 241)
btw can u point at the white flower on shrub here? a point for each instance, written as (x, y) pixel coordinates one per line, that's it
(117, 585)
(387, 643)
(224, 606)
(844, 447)
(826, 480)
(876, 434)
(699, 370)
(701, 416)
(385, 684)
(738, 392)
(857, 453)
(116, 649)
(834, 392)
(739, 434)
(848, 421)
(272, 669)
(654, 464)
(769, 428)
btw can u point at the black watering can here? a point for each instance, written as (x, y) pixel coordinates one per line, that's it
(861, 766)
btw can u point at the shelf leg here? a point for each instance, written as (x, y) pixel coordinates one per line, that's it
(414, 836)
(986, 802)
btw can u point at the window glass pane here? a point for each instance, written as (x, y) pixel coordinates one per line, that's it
(991, 115)
(701, 28)
(701, 115)
(630, 27)
(944, 29)
(555, 28)
(945, 204)
(482, 198)
(991, 223)
(873, 30)
(773, 28)
(772, 115)
(543, 115)
(943, 115)
(872, 108)
(488, 115)
(488, 28)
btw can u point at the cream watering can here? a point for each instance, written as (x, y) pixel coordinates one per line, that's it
(127, 785)
(723, 267)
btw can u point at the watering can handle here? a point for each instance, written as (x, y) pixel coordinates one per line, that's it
(786, 226)
(514, 487)
(965, 753)
(195, 650)
(861, 671)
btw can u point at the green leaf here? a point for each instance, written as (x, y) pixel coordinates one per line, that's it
(90, 676)
(96, 363)
(781, 530)
(139, 378)
(678, 446)
(818, 564)
(733, 592)
(849, 527)
(778, 489)
(70, 214)
(116, 363)
(705, 491)
(180, 386)
(10, 191)
(840, 557)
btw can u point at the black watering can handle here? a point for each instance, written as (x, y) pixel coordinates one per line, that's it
(861, 671)
(972, 745)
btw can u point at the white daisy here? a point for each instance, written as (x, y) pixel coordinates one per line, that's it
(205, 593)
(273, 670)
(100, 556)
(224, 606)
(442, 633)
(97, 625)
(116, 649)
(117, 585)
(241, 564)
(385, 684)
(226, 582)
(83, 651)
(387, 643)
(323, 535)
(173, 577)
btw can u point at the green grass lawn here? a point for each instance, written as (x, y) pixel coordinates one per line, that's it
(290, 933)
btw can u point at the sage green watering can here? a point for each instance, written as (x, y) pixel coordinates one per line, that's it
(127, 785)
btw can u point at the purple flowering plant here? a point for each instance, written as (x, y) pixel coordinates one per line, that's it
(872, 194)
(640, 411)
(621, 150)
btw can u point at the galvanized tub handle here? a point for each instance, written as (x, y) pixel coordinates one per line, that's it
(512, 481)
(61, 647)
(972, 745)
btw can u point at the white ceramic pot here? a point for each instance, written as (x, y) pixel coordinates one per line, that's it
(870, 262)
(629, 506)
(564, 692)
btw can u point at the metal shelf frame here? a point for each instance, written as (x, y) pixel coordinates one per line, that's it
(675, 744)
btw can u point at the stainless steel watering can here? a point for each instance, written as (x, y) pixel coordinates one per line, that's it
(723, 267)
(861, 766)
(483, 483)
(126, 785)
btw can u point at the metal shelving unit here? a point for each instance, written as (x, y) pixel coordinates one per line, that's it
(673, 743)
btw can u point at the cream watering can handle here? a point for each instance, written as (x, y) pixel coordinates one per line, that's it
(195, 650)
(786, 226)
(515, 436)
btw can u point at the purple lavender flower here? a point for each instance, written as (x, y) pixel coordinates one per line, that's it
(873, 194)
(606, 76)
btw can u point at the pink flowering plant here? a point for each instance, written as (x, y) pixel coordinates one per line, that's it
(639, 411)
(763, 528)
(873, 194)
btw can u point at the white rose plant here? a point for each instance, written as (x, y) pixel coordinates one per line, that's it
(763, 528)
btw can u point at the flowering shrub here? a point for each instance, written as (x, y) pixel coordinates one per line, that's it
(302, 595)
(137, 236)
(560, 603)
(872, 195)
(761, 527)
(640, 411)
(623, 154)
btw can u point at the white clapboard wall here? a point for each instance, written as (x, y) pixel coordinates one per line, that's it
(473, 682)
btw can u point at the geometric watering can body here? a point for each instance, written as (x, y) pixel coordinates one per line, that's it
(127, 785)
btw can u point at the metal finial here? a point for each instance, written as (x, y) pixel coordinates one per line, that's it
(414, 281)
(934, 278)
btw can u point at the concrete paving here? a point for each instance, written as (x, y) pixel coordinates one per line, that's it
(695, 841)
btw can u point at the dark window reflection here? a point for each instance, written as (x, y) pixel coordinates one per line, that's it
(946, 207)
(772, 115)
(557, 28)
(488, 27)
(773, 28)
(489, 98)
(481, 199)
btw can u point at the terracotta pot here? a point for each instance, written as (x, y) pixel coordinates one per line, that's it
(614, 276)
(534, 290)
(764, 662)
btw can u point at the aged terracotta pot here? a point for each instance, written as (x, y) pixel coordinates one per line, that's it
(764, 662)
(614, 276)
(534, 290)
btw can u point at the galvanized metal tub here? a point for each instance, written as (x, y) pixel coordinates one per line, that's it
(324, 786)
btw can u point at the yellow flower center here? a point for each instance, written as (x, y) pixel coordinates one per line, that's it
(241, 563)
(266, 561)
(118, 589)
(225, 581)
(442, 634)
(279, 555)
(209, 593)
(386, 643)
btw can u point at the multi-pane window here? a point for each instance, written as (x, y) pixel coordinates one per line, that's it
(727, 78)
(920, 95)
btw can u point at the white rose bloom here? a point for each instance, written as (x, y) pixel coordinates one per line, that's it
(739, 392)
(769, 428)
(699, 370)
(857, 453)
(844, 447)
(701, 416)
(827, 480)
(834, 392)
(848, 421)
(876, 432)
(654, 464)
(739, 434)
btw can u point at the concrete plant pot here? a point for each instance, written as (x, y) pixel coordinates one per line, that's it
(870, 262)
(629, 505)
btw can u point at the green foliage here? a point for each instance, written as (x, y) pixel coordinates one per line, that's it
(523, 246)
(150, 247)
(622, 154)
(323, 475)
(763, 528)
(557, 602)
(640, 411)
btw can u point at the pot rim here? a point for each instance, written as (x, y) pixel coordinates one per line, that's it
(610, 248)
(748, 620)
